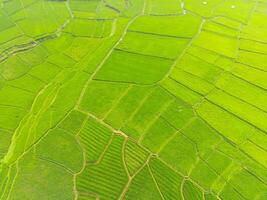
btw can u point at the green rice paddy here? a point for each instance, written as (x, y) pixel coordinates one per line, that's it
(133, 99)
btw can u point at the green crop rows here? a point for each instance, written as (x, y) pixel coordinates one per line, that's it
(133, 99)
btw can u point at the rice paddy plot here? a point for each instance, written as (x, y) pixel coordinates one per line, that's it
(139, 69)
(135, 100)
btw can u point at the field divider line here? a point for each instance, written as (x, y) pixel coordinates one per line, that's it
(233, 158)
(21, 125)
(193, 166)
(76, 193)
(175, 97)
(105, 150)
(142, 54)
(13, 181)
(180, 173)
(260, 147)
(4, 184)
(250, 66)
(159, 35)
(36, 118)
(155, 118)
(237, 116)
(183, 52)
(178, 131)
(237, 54)
(204, 97)
(155, 182)
(123, 157)
(118, 132)
(104, 60)
(117, 101)
(181, 188)
(132, 177)
(55, 163)
(140, 104)
(35, 42)
(114, 25)
(221, 75)
(38, 140)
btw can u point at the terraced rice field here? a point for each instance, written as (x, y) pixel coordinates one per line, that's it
(133, 99)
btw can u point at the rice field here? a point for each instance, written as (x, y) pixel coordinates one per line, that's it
(133, 100)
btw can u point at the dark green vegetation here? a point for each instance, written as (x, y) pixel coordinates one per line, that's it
(133, 99)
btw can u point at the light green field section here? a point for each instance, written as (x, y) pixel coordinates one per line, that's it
(133, 100)
(139, 69)
(66, 152)
(48, 178)
(168, 7)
